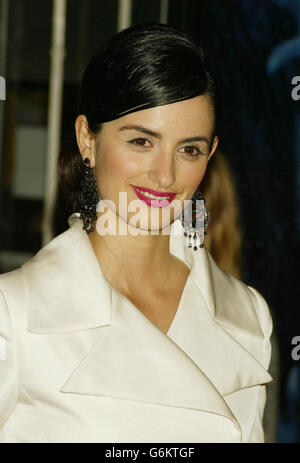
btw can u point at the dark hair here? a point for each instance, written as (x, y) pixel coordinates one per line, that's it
(140, 67)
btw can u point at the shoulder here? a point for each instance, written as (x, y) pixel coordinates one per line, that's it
(237, 304)
(13, 300)
(262, 310)
(13, 284)
(244, 311)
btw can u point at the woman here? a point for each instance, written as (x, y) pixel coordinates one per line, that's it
(122, 329)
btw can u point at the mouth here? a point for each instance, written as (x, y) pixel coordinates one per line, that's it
(153, 198)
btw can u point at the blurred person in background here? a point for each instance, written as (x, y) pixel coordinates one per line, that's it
(224, 239)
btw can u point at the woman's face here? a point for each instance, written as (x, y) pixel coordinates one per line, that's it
(165, 149)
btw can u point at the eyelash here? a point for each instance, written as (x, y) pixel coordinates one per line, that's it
(134, 140)
(138, 139)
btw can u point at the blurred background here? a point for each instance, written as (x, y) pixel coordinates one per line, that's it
(254, 50)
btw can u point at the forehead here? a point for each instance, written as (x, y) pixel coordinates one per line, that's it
(187, 116)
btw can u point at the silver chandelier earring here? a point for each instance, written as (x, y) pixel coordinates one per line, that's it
(195, 219)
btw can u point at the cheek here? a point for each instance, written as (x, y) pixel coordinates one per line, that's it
(113, 166)
(193, 175)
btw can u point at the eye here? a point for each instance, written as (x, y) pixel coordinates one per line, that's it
(192, 151)
(139, 141)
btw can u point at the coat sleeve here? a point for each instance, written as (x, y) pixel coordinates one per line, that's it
(8, 366)
(265, 319)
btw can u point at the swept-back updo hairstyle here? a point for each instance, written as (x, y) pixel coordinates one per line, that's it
(141, 67)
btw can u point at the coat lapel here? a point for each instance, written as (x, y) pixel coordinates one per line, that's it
(135, 360)
(219, 318)
(197, 363)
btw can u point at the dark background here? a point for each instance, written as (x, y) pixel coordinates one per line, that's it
(255, 51)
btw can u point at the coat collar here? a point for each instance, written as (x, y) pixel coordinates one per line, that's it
(68, 261)
(194, 366)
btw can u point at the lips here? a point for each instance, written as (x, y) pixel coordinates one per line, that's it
(153, 198)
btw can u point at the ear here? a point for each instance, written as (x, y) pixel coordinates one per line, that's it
(213, 148)
(85, 139)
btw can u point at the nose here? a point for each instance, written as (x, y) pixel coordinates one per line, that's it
(162, 172)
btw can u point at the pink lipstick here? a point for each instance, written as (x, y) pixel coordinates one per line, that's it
(153, 198)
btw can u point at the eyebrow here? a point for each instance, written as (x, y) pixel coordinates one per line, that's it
(140, 128)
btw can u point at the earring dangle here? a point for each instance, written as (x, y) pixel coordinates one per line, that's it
(88, 197)
(195, 219)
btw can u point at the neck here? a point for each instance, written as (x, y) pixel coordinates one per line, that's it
(131, 260)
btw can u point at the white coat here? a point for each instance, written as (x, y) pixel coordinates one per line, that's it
(80, 363)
